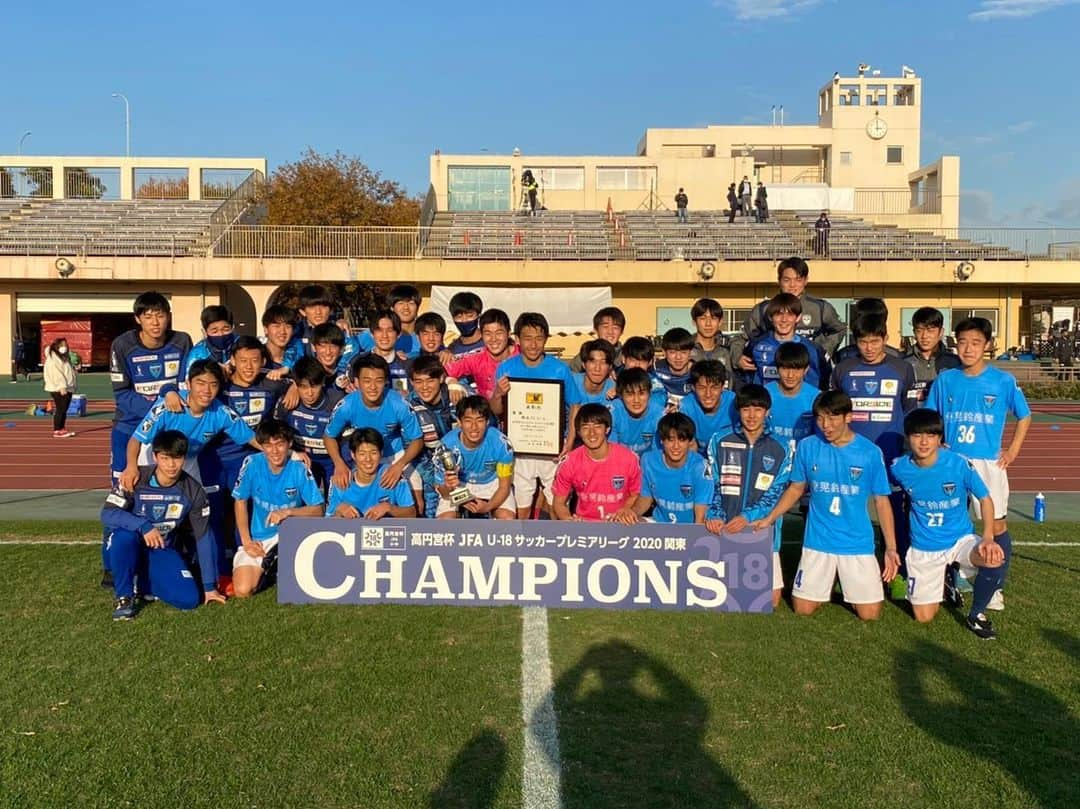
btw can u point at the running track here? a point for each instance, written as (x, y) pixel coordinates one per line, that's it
(33, 459)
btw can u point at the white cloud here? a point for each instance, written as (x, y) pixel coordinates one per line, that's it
(766, 9)
(1013, 9)
(1023, 126)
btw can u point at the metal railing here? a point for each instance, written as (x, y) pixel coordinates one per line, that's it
(304, 241)
(229, 211)
(26, 182)
(896, 201)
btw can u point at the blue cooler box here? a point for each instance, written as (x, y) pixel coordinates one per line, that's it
(77, 406)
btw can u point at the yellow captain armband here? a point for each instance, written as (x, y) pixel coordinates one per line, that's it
(504, 470)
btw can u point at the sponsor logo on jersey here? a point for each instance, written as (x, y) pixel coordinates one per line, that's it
(174, 511)
(948, 488)
(871, 386)
(172, 367)
(617, 483)
(806, 319)
(768, 462)
(157, 511)
(155, 369)
(989, 400)
(311, 429)
(856, 472)
(240, 406)
(685, 489)
(291, 492)
(890, 387)
(763, 481)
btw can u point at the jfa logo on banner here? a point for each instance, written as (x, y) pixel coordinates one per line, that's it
(556, 564)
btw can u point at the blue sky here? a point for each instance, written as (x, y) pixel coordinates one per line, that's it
(392, 82)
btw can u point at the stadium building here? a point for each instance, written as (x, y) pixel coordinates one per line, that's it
(81, 236)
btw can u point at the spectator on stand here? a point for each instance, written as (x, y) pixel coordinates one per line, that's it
(733, 203)
(761, 202)
(681, 201)
(746, 195)
(60, 383)
(821, 234)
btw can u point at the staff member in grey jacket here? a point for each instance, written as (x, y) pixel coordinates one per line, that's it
(819, 322)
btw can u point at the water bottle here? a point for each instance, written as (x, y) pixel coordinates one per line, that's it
(1040, 507)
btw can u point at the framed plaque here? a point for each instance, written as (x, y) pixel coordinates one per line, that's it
(535, 416)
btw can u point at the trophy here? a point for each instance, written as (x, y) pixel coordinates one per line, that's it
(450, 460)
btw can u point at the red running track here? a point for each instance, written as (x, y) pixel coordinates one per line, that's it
(33, 459)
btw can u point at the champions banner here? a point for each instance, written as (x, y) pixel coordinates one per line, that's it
(523, 563)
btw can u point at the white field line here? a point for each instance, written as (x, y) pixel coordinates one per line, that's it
(50, 541)
(541, 771)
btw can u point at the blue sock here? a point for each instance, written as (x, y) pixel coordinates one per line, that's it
(991, 579)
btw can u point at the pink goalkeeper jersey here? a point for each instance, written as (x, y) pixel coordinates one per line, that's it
(481, 368)
(602, 486)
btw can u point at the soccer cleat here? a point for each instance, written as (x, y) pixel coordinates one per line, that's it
(981, 626)
(124, 609)
(952, 596)
(106, 579)
(997, 601)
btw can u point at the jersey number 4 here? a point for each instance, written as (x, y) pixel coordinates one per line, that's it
(834, 507)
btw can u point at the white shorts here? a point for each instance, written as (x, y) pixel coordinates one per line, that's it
(411, 476)
(243, 559)
(527, 468)
(997, 481)
(926, 569)
(777, 572)
(860, 577)
(482, 491)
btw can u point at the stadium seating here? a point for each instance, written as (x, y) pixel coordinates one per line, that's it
(99, 227)
(516, 235)
(658, 235)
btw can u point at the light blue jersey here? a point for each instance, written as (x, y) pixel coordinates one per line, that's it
(548, 368)
(292, 487)
(636, 432)
(493, 458)
(975, 409)
(363, 497)
(675, 491)
(791, 418)
(706, 425)
(939, 498)
(393, 419)
(217, 419)
(841, 480)
(585, 397)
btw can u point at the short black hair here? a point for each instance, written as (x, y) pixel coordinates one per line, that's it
(368, 360)
(870, 325)
(272, 429)
(783, 302)
(328, 333)
(477, 404)
(316, 295)
(427, 366)
(632, 379)
(603, 346)
(462, 302)
(639, 348)
(613, 312)
(402, 292)
(245, 342)
(753, 396)
(678, 423)
(310, 370)
(802, 269)
(533, 320)
(489, 316)
(170, 442)
(923, 420)
(928, 317)
(207, 366)
(278, 313)
(430, 320)
(592, 413)
(213, 313)
(979, 324)
(151, 302)
(392, 316)
(677, 339)
(365, 435)
(709, 370)
(832, 403)
(706, 306)
(869, 306)
(792, 355)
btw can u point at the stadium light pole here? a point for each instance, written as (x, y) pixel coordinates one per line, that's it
(127, 120)
(25, 135)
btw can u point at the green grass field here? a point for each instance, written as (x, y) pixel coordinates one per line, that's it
(257, 704)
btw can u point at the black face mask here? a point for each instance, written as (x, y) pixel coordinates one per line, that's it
(467, 328)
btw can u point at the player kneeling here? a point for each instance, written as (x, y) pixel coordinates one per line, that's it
(843, 471)
(939, 483)
(483, 462)
(279, 487)
(150, 531)
(366, 497)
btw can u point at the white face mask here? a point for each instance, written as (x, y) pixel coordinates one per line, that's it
(62, 350)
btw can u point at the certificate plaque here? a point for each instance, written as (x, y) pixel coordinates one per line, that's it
(535, 418)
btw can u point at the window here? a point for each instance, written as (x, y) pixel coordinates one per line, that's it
(904, 95)
(625, 179)
(907, 312)
(894, 155)
(478, 188)
(963, 314)
(560, 179)
(877, 95)
(734, 319)
(845, 158)
(849, 95)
